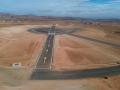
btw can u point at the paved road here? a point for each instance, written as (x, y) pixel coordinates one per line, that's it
(70, 32)
(45, 60)
(57, 31)
(46, 56)
(58, 75)
(96, 40)
(43, 68)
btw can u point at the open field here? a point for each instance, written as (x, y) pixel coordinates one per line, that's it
(80, 53)
(17, 44)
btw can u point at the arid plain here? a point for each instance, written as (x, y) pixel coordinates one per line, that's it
(71, 52)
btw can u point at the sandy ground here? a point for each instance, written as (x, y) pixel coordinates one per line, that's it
(84, 84)
(105, 33)
(19, 45)
(70, 53)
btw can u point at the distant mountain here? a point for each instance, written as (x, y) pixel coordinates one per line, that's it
(8, 16)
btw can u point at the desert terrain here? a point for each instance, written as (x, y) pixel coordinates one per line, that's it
(18, 45)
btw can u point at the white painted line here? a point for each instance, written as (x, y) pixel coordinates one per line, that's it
(47, 50)
(44, 59)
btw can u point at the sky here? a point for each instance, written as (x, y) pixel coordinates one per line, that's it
(64, 8)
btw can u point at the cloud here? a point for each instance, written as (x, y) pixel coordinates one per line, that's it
(76, 8)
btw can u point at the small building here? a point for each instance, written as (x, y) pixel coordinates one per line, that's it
(16, 65)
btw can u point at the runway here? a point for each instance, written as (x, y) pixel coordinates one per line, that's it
(45, 60)
(43, 69)
(46, 56)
